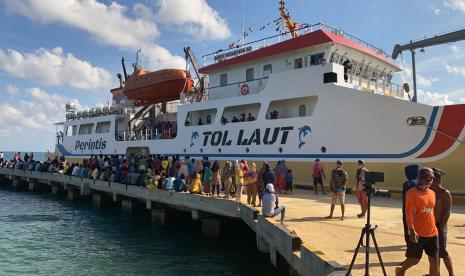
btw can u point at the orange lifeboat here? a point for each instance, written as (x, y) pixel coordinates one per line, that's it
(159, 86)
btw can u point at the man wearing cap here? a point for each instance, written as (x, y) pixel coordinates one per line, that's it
(270, 204)
(420, 202)
(318, 175)
(441, 215)
(338, 188)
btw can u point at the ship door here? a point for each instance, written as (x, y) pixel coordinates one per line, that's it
(142, 151)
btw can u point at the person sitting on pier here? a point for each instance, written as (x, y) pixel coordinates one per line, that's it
(76, 170)
(196, 185)
(180, 184)
(169, 182)
(271, 207)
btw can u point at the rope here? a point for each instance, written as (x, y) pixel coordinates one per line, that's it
(446, 135)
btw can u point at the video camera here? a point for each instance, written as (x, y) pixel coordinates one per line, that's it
(370, 180)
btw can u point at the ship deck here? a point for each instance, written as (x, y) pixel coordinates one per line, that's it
(305, 214)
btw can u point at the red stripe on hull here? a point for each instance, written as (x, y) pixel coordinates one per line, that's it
(452, 123)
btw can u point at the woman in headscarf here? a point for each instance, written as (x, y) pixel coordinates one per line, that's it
(227, 178)
(216, 178)
(240, 183)
(252, 179)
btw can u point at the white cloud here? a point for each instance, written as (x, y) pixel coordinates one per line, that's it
(456, 70)
(432, 98)
(194, 17)
(35, 115)
(12, 89)
(425, 82)
(456, 5)
(437, 11)
(106, 23)
(454, 48)
(110, 24)
(53, 67)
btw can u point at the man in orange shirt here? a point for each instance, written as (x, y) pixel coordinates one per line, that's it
(420, 202)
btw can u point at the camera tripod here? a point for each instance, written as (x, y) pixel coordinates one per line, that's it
(367, 231)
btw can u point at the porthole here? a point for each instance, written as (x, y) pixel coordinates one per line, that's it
(323, 149)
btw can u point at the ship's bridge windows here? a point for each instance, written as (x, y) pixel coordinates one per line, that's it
(240, 113)
(292, 108)
(71, 130)
(267, 70)
(86, 129)
(224, 79)
(298, 63)
(200, 117)
(103, 127)
(249, 74)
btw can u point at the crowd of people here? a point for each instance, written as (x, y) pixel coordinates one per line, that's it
(426, 203)
(198, 176)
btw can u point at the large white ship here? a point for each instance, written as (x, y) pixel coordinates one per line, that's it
(292, 100)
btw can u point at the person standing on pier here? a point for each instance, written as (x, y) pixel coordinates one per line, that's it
(216, 178)
(359, 192)
(226, 178)
(240, 183)
(441, 214)
(419, 209)
(338, 188)
(1, 158)
(318, 175)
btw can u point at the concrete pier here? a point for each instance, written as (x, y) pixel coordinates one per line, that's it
(126, 205)
(309, 244)
(158, 216)
(211, 227)
(72, 193)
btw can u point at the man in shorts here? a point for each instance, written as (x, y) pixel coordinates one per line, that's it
(441, 215)
(338, 188)
(420, 202)
(318, 175)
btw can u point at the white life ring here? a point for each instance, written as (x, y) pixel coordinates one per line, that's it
(244, 89)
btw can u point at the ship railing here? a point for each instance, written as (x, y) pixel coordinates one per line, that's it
(377, 85)
(240, 49)
(241, 88)
(128, 135)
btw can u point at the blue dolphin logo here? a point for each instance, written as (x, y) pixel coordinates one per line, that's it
(303, 131)
(195, 135)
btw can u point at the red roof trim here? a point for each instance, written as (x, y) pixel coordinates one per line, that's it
(303, 41)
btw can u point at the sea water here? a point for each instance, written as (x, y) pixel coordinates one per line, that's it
(41, 234)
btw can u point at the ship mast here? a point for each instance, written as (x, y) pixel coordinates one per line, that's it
(291, 25)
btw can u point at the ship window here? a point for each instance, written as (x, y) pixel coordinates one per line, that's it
(240, 113)
(298, 63)
(224, 79)
(86, 129)
(103, 127)
(291, 108)
(71, 130)
(249, 74)
(200, 117)
(267, 70)
(302, 110)
(316, 59)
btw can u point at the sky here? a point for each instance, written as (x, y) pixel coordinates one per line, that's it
(57, 51)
